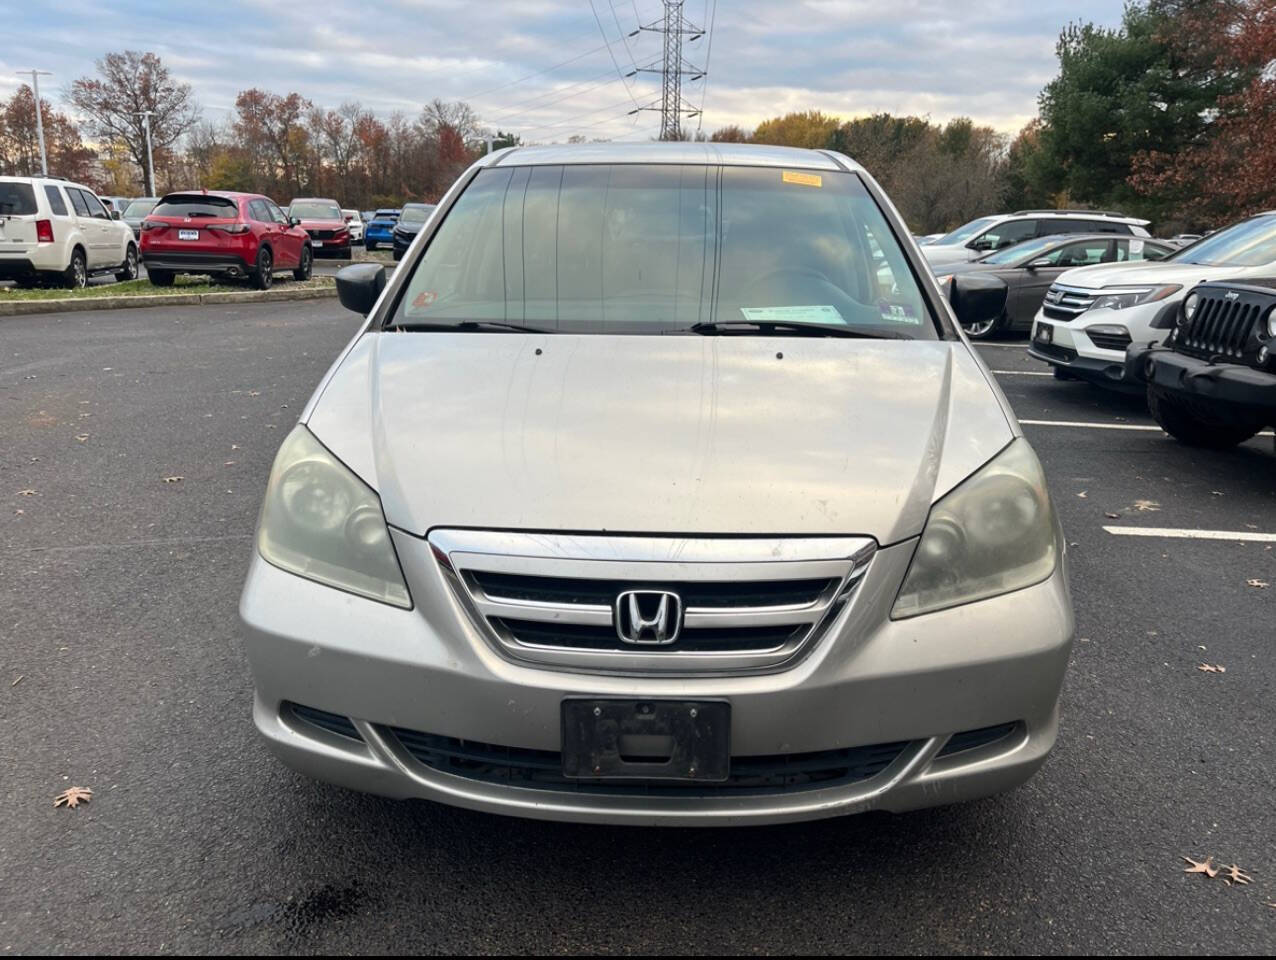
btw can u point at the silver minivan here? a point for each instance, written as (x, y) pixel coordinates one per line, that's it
(660, 486)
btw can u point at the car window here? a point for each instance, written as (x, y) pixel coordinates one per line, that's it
(95, 205)
(632, 248)
(257, 210)
(77, 201)
(56, 203)
(965, 231)
(1005, 234)
(196, 205)
(1250, 243)
(17, 199)
(1139, 249)
(1082, 253)
(416, 214)
(276, 214)
(312, 210)
(139, 208)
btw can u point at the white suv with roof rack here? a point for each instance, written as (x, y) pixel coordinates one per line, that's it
(985, 234)
(57, 232)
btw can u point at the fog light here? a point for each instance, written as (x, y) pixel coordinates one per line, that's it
(1262, 354)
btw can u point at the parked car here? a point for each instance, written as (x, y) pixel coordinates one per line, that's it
(380, 229)
(323, 220)
(354, 223)
(987, 234)
(1091, 315)
(53, 231)
(1030, 267)
(224, 234)
(1213, 382)
(136, 212)
(536, 548)
(1183, 239)
(411, 220)
(116, 206)
(926, 239)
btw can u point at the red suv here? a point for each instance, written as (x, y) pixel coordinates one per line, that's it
(227, 234)
(323, 220)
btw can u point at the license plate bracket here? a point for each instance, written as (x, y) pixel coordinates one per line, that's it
(613, 739)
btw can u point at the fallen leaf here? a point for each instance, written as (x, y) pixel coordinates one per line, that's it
(1260, 584)
(1082, 494)
(1206, 867)
(81, 437)
(1211, 668)
(73, 796)
(1235, 874)
(254, 393)
(21, 677)
(1113, 516)
(27, 493)
(1217, 493)
(174, 479)
(229, 463)
(1146, 505)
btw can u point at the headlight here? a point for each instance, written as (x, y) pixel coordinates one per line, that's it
(1122, 297)
(1189, 306)
(1271, 322)
(322, 522)
(994, 533)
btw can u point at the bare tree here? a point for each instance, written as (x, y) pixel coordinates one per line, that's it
(129, 84)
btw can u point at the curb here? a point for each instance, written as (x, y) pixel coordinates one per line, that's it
(19, 308)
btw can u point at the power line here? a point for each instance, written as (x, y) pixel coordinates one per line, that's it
(537, 73)
(707, 54)
(573, 119)
(516, 108)
(607, 43)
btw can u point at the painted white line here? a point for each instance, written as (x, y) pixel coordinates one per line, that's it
(1023, 373)
(1022, 344)
(1177, 533)
(1091, 426)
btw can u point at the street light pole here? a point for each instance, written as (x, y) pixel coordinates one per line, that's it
(150, 162)
(39, 120)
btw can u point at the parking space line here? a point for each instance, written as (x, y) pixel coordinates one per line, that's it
(1178, 533)
(1091, 426)
(1022, 345)
(1023, 373)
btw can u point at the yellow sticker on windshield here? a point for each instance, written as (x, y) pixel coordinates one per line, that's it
(805, 179)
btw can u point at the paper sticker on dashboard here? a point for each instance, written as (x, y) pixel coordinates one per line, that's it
(798, 314)
(897, 313)
(802, 179)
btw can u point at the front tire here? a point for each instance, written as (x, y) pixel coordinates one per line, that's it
(76, 276)
(128, 270)
(371, 244)
(263, 274)
(306, 266)
(986, 330)
(1185, 423)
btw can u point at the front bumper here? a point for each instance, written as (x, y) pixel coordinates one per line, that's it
(870, 680)
(1224, 383)
(379, 235)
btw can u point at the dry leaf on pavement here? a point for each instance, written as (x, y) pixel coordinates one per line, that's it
(1206, 867)
(1113, 516)
(174, 479)
(1146, 505)
(1235, 874)
(73, 796)
(1211, 668)
(1255, 582)
(1082, 494)
(27, 493)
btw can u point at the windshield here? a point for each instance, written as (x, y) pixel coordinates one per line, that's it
(16, 199)
(310, 210)
(415, 214)
(966, 231)
(139, 208)
(1027, 249)
(196, 205)
(637, 248)
(387, 215)
(1250, 243)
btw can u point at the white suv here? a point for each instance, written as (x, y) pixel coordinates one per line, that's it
(58, 232)
(355, 223)
(981, 236)
(1091, 314)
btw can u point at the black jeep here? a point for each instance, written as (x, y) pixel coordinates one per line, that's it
(1213, 382)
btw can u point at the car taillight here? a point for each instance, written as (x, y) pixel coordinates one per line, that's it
(44, 231)
(229, 227)
(151, 224)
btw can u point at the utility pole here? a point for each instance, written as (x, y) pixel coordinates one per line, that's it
(39, 120)
(674, 26)
(150, 162)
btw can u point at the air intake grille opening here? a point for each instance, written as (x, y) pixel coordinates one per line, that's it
(973, 739)
(324, 720)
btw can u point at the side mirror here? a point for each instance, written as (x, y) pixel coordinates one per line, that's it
(359, 285)
(294, 221)
(974, 296)
(1039, 263)
(980, 244)
(115, 214)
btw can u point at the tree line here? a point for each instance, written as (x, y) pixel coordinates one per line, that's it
(1168, 116)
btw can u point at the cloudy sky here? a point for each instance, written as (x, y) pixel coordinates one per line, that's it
(545, 68)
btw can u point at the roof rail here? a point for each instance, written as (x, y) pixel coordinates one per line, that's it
(1088, 213)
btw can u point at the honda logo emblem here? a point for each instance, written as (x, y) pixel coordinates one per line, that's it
(648, 616)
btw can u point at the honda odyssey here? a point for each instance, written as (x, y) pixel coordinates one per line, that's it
(660, 487)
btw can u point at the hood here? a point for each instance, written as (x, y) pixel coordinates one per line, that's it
(679, 434)
(412, 227)
(941, 253)
(323, 223)
(1126, 274)
(973, 266)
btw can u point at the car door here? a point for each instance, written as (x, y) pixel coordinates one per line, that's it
(90, 220)
(287, 242)
(1004, 234)
(1030, 286)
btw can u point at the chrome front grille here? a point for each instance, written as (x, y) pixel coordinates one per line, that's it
(1067, 303)
(744, 605)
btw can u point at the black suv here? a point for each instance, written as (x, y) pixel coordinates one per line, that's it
(1213, 383)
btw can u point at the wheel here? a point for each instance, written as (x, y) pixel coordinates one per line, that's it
(128, 270)
(1061, 373)
(398, 254)
(306, 266)
(347, 253)
(263, 274)
(160, 278)
(1187, 423)
(76, 275)
(371, 244)
(986, 329)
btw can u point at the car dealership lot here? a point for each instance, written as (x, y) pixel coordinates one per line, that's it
(118, 587)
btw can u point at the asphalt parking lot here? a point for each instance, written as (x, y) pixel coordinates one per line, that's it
(122, 671)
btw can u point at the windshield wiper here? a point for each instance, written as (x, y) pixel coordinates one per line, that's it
(791, 327)
(469, 326)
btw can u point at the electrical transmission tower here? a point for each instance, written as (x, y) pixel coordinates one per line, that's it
(674, 26)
